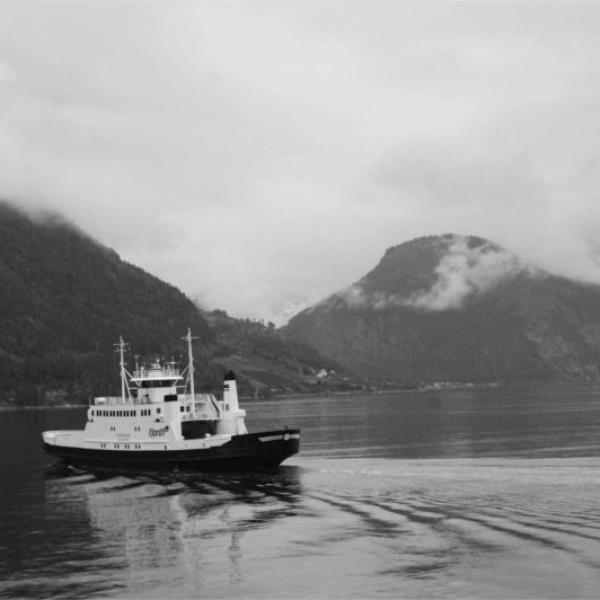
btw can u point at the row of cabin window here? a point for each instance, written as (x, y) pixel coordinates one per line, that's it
(144, 412)
(126, 446)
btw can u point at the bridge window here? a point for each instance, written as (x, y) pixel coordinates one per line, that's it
(158, 383)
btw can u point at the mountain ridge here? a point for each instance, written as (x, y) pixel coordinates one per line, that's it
(458, 308)
(65, 299)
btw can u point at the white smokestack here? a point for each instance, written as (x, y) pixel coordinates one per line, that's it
(230, 395)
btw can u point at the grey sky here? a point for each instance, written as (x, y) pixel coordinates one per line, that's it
(262, 155)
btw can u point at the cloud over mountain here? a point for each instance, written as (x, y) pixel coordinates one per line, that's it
(458, 308)
(466, 270)
(229, 147)
(467, 266)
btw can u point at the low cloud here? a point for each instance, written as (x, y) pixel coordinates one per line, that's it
(230, 148)
(464, 270)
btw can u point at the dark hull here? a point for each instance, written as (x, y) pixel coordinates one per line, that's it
(242, 452)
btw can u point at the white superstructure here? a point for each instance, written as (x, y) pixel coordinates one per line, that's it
(158, 409)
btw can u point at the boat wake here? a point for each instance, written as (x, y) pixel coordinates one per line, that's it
(422, 528)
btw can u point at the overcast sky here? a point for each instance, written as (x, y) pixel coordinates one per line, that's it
(263, 155)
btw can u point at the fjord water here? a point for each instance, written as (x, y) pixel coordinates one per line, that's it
(459, 493)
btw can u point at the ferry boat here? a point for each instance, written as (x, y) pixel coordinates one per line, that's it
(159, 422)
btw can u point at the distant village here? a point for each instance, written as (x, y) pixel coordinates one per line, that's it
(325, 382)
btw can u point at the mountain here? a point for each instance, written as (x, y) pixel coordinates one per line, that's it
(268, 363)
(65, 299)
(461, 309)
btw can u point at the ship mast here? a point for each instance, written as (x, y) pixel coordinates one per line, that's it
(188, 338)
(120, 347)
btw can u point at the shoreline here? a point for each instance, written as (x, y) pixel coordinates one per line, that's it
(10, 407)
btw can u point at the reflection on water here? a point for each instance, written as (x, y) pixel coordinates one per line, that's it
(336, 528)
(177, 531)
(360, 513)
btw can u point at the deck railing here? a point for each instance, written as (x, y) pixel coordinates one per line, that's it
(162, 373)
(117, 400)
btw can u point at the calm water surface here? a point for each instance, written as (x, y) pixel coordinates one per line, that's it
(488, 493)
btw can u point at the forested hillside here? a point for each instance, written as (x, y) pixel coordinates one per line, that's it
(64, 301)
(458, 309)
(268, 363)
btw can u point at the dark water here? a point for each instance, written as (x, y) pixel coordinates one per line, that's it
(476, 493)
